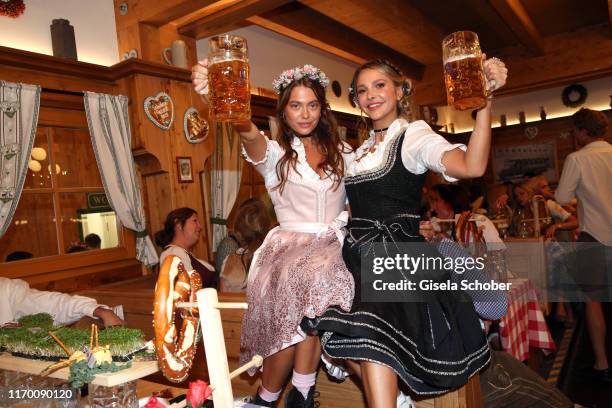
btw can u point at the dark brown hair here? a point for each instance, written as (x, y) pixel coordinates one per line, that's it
(325, 136)
(594, 122)
(251, 226)
(178, 216)
(397, 77)
(456, 196)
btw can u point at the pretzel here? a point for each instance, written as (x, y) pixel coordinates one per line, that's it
(467, 229)
(175, 350)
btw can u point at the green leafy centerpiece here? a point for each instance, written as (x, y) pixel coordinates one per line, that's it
(30, 339)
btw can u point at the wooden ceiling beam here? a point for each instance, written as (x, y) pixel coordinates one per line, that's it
(610, 12)
(304, 24)
(566, 61)
(223, 16)
(515, 15)
(156, 13)
(414, 34)
(493, 20)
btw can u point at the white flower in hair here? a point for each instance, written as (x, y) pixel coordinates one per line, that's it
(294, 74)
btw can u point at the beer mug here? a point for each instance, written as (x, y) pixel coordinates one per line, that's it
(228, 78)
(463, 71)
(178, 54)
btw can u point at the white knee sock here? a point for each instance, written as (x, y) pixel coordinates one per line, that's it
(267, 395)
(303, 382)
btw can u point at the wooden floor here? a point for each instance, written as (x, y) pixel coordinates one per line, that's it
(136, 296)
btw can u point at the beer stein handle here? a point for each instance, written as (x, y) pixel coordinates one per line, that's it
(165, 55)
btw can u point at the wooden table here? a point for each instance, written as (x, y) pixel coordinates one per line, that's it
(138, 370)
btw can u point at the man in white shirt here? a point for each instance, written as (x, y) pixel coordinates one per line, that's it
(17, 299)
(587, 174)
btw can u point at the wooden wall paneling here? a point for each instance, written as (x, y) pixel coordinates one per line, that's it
(53, 73)
(190, 194)
(149, 43)
(59, 117)
(33, 226)
(160, 200)
(151, 138)
(558, 130)
(72, 281)
(128, 38)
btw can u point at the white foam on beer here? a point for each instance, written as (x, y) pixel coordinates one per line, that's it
(218, 59)
(460, 57)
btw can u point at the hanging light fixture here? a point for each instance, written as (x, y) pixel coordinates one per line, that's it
(58, 169)
(38, 153)
(34, 165)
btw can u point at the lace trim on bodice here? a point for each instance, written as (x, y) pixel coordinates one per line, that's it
(384, 158)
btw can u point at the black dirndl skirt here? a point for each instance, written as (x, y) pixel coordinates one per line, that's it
(434, 345)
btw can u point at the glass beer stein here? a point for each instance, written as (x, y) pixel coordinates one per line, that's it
(228, 78)
(463, 72)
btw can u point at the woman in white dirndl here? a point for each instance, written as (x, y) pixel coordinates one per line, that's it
(298, 271)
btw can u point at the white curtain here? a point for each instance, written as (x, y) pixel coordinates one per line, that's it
(273, 124)
(225, 179)
(19, 105)
(109, 126)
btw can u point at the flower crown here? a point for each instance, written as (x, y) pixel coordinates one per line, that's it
(297, 73)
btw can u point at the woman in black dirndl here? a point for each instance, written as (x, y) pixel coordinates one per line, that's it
(436, 344)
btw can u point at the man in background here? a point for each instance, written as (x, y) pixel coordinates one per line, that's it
(17, 299)
(93, 241)
(587, 175)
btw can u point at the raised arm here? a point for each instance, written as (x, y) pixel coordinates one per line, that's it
(253, 141)
(473, 162)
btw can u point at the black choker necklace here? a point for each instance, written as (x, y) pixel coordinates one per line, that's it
(380, 130)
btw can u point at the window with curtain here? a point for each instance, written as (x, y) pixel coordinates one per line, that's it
(63, 208)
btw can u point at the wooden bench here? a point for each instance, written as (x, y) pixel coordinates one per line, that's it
(137, 300)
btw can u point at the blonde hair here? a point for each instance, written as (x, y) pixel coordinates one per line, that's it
(404, 105)
(527, 186)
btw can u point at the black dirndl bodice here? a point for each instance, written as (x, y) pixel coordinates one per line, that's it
(433, 345)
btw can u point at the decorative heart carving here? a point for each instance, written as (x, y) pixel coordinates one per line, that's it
(160, 110)
(195, 127)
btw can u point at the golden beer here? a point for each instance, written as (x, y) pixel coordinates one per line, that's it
(465, 83)
(228, 79)
(463, 71)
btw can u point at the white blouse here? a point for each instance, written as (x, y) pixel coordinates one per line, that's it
(17, 299)
(422, 150)
(306, 198)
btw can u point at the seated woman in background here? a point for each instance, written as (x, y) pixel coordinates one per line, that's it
(525, 194)
(449, 202)
(564, 217)
(180, 235)
(475, 232)
(250, 228)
